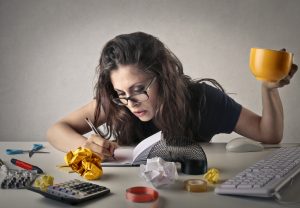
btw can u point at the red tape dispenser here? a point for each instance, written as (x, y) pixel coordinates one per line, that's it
(141, 194)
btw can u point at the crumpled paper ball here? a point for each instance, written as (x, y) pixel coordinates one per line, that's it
(212, 175)
(159, 172)
(85, 162)
(43, 182)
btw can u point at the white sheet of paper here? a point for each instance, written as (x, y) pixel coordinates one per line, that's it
(125, 155)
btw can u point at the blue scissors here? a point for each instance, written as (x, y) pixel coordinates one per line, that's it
(35, 149)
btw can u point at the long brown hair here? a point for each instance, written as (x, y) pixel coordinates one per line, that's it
(173, 114)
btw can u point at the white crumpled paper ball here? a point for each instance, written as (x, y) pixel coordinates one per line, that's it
(159, 172)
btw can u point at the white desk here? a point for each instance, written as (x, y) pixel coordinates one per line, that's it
(120, 178)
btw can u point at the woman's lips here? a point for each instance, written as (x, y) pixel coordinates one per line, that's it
(139, 113)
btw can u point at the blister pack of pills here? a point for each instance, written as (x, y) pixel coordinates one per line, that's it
(15, 179)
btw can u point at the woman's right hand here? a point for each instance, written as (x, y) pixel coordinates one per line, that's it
(100, 146)
(282, 82)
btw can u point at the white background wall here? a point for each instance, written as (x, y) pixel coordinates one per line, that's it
(49, 50)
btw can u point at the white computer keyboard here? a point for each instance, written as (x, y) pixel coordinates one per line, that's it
(265, 177)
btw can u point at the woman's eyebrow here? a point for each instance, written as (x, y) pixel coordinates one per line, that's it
(131, 87)
(120, 91)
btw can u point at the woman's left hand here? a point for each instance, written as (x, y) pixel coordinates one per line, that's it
(284, 81)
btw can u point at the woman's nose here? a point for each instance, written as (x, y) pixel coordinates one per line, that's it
(133, 103)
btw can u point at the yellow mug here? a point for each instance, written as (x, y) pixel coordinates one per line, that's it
(270, 65)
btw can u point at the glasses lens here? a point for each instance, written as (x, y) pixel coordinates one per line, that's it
(139, 97)
(120, 101)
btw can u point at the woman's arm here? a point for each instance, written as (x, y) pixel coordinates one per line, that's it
(267, 128)
(66, 134)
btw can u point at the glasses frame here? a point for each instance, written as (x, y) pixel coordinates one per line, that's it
(118, 100)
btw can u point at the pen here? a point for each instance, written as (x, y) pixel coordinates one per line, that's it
(95, 130)
(25, 165)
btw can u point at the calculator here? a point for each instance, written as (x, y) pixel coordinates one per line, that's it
(73, 191)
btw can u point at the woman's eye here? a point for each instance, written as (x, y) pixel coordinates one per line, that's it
(138, 89)
(121, 94)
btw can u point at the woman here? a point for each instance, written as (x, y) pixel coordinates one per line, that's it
(142, 89)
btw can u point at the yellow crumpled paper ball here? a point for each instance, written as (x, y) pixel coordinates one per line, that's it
(212, 175)
(85, 162)
(43, 182)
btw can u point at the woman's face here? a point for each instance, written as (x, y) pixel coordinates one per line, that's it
(128, 80)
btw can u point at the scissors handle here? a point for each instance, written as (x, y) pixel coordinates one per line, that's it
(14, 151)
(37, 147)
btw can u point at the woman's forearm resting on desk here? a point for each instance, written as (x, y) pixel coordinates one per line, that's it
(64, 138)
(67, 134)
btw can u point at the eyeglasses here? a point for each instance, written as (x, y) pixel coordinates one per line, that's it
(136, 98)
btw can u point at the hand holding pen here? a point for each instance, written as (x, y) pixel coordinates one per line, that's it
(107, 146)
